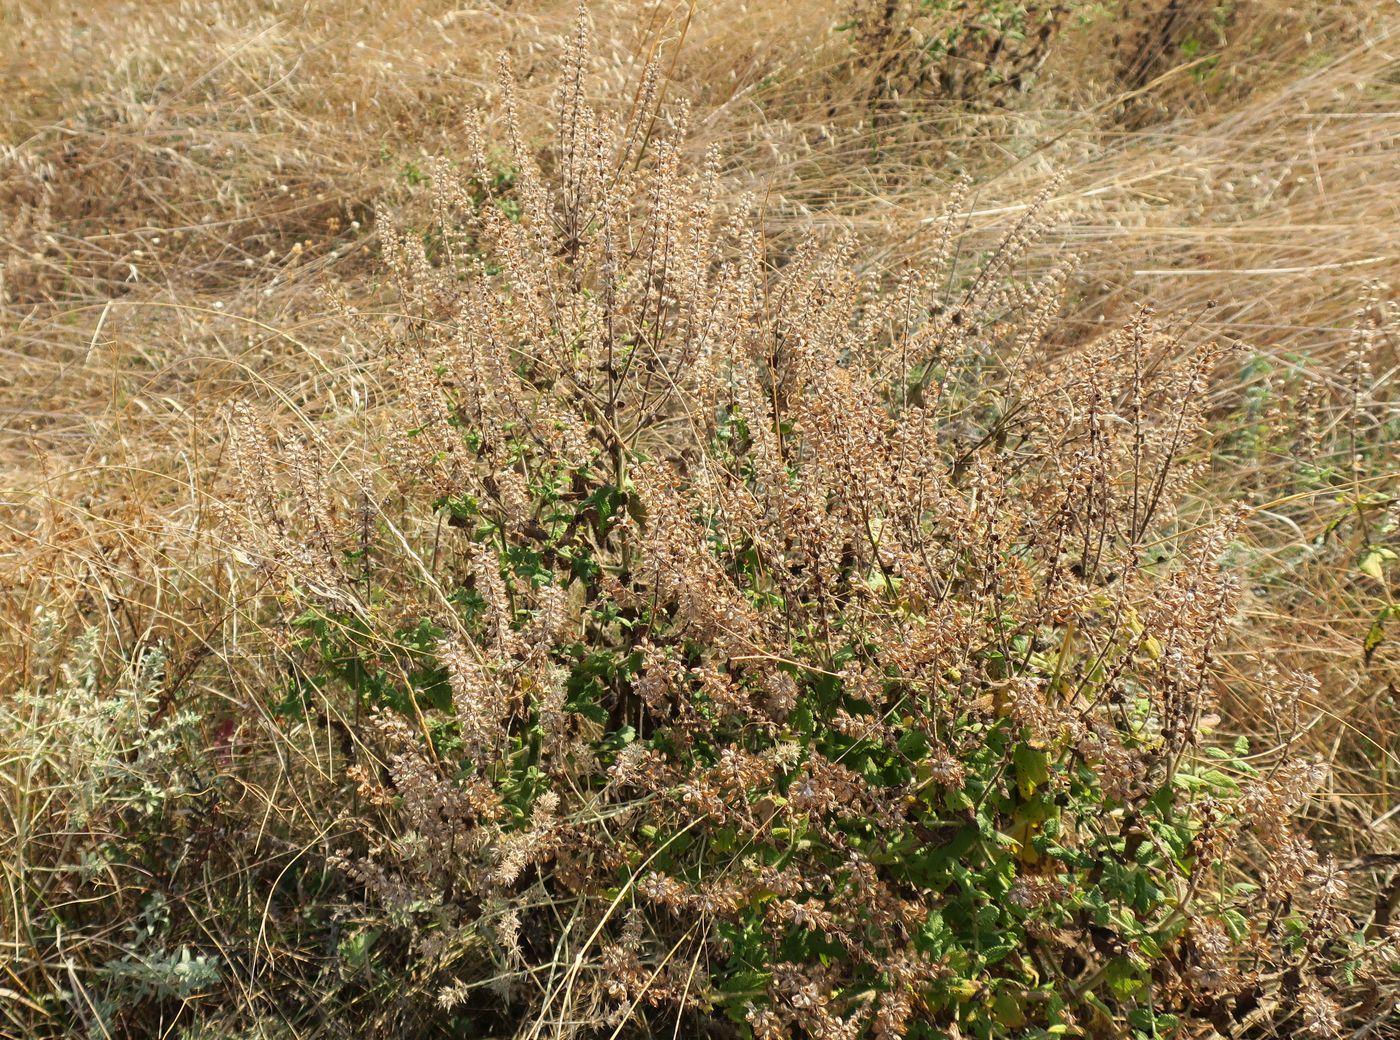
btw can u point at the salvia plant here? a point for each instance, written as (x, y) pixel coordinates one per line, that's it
(747, 645)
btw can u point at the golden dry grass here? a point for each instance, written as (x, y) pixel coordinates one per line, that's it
(180, 180)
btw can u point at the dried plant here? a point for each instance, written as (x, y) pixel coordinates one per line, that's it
(774, 644)
(722, 570)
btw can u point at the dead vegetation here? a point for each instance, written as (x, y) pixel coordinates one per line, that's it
(193, 210)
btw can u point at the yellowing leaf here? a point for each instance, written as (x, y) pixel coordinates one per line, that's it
(1032, 769)
(1373, 563)
(1008, 1010)
(1376, 635)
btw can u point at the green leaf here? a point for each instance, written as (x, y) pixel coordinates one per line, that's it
(1032, 768)
(1236, 924)
(1124, 977)
(355, 950)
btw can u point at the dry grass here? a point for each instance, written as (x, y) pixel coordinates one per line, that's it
(180, 181)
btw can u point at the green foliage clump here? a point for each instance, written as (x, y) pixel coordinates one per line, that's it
(962, 49)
